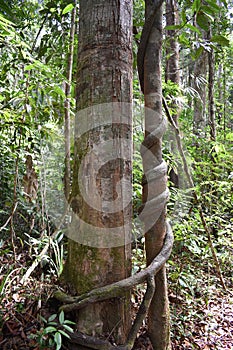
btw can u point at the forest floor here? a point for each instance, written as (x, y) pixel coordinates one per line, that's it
(198, 323)
(213, 332)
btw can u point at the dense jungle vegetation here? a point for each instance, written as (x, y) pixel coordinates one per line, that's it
(39, 70)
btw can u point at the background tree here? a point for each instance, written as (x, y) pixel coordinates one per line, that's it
(67, 131)
(199, 103)
(172, 72)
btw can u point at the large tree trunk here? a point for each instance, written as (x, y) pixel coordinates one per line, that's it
(99, 240)
(155, 186)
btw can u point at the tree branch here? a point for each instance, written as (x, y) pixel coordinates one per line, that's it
(9, 218)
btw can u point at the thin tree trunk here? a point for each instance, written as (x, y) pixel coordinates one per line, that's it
(158, 316)
(199, 118)
(211, 109)
(199, 84)
(220, 84)
(224, 101)
(211, 92)
(95, 256)
(67, 175)
(172, 72)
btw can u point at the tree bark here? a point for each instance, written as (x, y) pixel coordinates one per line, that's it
(67, 174)
(158, 316)
(104, 77)
(211, 60)
(199, 106)
(172, 72)
(172, 49)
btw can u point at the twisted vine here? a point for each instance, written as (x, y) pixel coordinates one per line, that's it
(144, 40)
(151, 208)
(152, 172)
(116, 290)
(155, 192)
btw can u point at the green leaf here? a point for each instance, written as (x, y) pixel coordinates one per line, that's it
(225, 3)
(213, 4)
(37, 64)
(208, 10)
(68, 322)
(219, 148)
(193, 28)
(67, 9)
(183, 39)
(61, 317)
(59, 91)
(229, 136)
(197, 53)
(183, 15)
(196, 5)
(29, 67)
(64, 333)
(43, 319)
(220, 39)
(6, 31)
(68, 328)
(173, 27)
(203, 21)
(52, 317)
(210, 18)
(53, 323)
(50, 330)
(138, 23)
(58, 340)
(6, 21)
